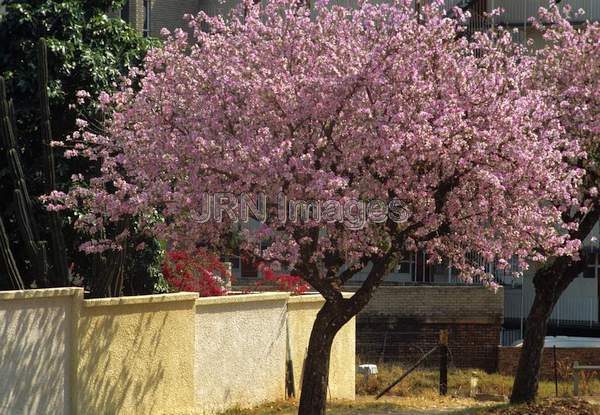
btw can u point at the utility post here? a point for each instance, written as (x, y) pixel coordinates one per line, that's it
(443, 346)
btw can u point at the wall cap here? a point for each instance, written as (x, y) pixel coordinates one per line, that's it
(140, 299)
(40, 293)
(427, 286)
(242, 298)
(313, 298)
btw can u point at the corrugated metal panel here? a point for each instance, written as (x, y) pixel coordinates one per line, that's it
(518, 11)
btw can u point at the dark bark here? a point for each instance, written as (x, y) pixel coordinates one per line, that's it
(316, 366)
(550, 282)
(330, 319)
(527, 377)
(336, 312)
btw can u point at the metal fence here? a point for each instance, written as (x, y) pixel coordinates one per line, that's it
(404, 348)
(516, 12)
(579, 311)
(509, 337)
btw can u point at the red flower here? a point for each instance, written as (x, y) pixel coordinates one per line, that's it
(201, 272)
(282, 282)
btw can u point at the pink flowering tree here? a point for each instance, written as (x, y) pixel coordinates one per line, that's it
(567, 73)
(411, 135)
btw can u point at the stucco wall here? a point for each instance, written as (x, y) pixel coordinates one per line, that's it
(174, 353)
(240, 350)
(136, 355)
(302, 311)
(35, 333)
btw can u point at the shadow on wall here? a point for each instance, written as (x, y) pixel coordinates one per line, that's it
(133, 358)
(155, 354)
(34, 363)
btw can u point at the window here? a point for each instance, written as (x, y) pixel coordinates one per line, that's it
(591, 271)
(404, 267)
(146, 31)
(507, 275)
(125, 11)
(407, 265)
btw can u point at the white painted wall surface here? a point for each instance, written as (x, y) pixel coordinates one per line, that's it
(235, 365)
(35, 345)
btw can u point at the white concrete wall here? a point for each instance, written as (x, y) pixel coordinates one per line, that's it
(35, 349)
(240, 350)
(302, 311)
(60, 354)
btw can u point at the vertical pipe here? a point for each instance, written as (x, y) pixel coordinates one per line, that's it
(424, 265)
(290, 385)
(524, 22)
(522, 305)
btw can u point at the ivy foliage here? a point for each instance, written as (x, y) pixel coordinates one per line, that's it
(89, 48)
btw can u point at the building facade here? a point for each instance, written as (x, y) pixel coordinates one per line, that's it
(150, 16)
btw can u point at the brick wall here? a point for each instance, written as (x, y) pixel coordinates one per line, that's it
(438, 302)
(508, 359)
(136, 14)
(402, 322)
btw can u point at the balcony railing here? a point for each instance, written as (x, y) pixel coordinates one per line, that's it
(516, 12)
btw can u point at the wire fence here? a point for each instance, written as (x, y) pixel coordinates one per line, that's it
(395, 351)
(467, 348)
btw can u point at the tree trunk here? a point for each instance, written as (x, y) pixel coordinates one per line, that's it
(329, 321)
(526, 381)
(336, 312)
(550, 282)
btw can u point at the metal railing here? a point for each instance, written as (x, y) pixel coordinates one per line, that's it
(516, 12)
(568, 311)
(509, 337)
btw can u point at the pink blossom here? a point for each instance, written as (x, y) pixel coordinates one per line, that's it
(361, 104)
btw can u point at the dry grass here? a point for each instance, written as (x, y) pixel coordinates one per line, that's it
(562, 406)
(418, 395)
(438, 406)
(368, 406)
(425, 383)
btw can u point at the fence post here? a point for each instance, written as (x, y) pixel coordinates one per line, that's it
(443, 362)
(555, 371)
(575, 378)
